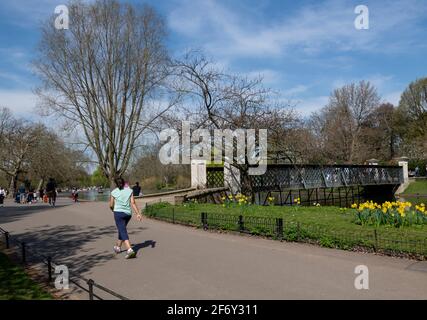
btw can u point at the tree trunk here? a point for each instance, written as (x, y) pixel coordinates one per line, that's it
(40, 185)
(12, 186)
(112, 182)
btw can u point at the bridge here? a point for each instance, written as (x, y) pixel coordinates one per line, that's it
(339, 185)
(324, 184)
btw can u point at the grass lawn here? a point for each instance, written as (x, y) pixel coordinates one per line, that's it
(417, 186)
(330, 226)
(16, 285)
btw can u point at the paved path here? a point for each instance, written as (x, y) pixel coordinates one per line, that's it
(177, 262)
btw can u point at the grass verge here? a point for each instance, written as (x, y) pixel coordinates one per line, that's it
(417, 186)
(16, 284)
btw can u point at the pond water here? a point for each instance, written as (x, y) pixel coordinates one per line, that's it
(94, 195)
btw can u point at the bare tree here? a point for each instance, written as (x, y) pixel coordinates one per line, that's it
(412, 119)
(340, 124)
(17, 138)
(50, 157)
(105, 76)
(221, 100)
(380, 136)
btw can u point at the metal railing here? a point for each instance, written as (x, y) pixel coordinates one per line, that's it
(277, 228)
(306, 176)
(26, 251)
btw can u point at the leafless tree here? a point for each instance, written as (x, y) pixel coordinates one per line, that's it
(17, 142)
(50, 157)
(31, 152)
(105, 76)
(380, 136)
(220, 100)
(339, 125)
(412, 119)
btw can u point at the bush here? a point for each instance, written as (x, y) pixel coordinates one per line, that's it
(421, 164)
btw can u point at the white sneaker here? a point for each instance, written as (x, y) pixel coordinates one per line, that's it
(117, 249)
(130, 254)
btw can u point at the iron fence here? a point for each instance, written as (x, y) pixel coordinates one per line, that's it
(277, 228)
(303, 176)
(27, 251)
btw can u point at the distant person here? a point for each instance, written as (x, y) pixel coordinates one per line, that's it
(21, 192)
(17, 197)
(51, 191)
(417, 171)
(2, 196)
(121, 203)
(136, 190)
(30, 196)
(75, 195)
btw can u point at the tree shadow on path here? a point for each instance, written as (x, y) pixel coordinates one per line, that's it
(73, 246)
(16, 212)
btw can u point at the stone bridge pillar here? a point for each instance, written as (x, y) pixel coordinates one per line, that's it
(198, 174)
(403, 162)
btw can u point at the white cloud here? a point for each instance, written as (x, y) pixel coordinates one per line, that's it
(379, 81)
(20, 102)
(307, 106)
(393, 97)
(324, 26)
(269, 76)
(295, 90)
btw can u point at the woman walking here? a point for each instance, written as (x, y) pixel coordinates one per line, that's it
(121, 203)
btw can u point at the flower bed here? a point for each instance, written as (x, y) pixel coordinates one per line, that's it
(397, 214)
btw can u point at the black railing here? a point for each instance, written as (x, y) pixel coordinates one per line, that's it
(81, 282)
(215, 177)
(279, 229)
(288, 176)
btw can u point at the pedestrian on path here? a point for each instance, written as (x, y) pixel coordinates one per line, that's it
(22, 194)
(136, 190)
(51, 191)
(2, 196)
(121, 203)
(75, 195)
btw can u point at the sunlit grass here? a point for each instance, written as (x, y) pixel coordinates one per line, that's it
(417, 186)
(334, 226)
(16, 285)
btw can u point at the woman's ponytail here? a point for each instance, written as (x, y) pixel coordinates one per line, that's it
(120, 183)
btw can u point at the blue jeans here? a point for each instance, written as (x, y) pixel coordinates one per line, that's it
(122, 219)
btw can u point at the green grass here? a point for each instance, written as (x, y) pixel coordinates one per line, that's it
(329, 226)
(16, 285)
(417, 186)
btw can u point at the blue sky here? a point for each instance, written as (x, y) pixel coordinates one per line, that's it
(303, 49)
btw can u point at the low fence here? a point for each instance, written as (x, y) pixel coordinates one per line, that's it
(26, 251)
(279, 229)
